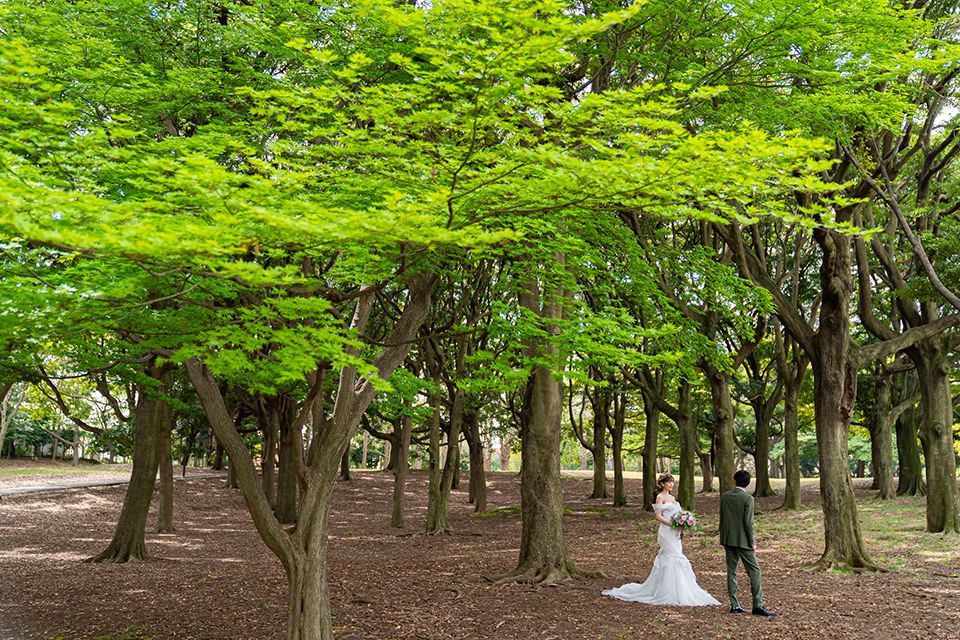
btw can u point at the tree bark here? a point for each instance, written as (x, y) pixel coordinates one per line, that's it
(723, 426)
(601, 423)
(478, 461)
(268, 464)
(910, 469)
(165, 508)
(687, 490)
(835, 391)
(616, 436)
(400, 473)
(218, 458)
(652, 413)
(151, 413)
(706, 468)
(345, 464)
(936, 436)
(435, 470)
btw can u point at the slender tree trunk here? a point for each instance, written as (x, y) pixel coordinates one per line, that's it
(706, 468)
(650, 452)
(150, 416)
(232, 476)
(76, 445)
(218, 457)
(791, 445)
(936, 436)
(440, 522)
(506, 444)
(478, 471)
(389, 456)
(268, 464)
(762, 488)
(601, 420)
(363, 451)
(165, 508)
(435, 470)
(400, 473)
(881, 440)
(616, 435)
(288, 484)
(687, 490)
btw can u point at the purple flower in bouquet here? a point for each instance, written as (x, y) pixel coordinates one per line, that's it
(684, 520)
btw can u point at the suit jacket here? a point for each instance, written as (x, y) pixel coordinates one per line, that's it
(736, 519)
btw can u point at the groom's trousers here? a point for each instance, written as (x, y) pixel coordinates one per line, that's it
(735, 555)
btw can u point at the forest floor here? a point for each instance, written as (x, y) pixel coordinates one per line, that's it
(213, 579)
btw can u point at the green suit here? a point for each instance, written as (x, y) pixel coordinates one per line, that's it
(736, 536)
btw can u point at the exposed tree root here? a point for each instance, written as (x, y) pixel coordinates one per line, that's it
(113, 555)
(543, 576)
(830, 563)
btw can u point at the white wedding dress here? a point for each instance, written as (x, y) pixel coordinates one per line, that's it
(671, 581)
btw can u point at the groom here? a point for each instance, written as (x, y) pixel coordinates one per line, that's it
(736, 536)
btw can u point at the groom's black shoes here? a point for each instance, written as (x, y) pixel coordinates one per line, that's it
(761, 611)
(737, 609)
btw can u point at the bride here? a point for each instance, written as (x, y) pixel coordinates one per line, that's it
(671, 581)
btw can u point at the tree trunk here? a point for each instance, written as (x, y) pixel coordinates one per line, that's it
(435, 470)
(601, 420)
(151, 414)
(439, 522)
(232, 477)
(218, 458)
(791, 445)
(268, 464)
(706, 468)
(506, 444)
(910, 469)
(881, 440)
(478, 471)
(76, 445)
(723, 426)
(400, 473)
(936, 436)
(616, 435)
(345, 464)
(165, 508)
(363, 451)
(761, 457)
(687, 490)
(287, 481)
(835, 392)
(652, 413)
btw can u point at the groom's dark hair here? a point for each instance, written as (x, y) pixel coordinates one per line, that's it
(741, 478)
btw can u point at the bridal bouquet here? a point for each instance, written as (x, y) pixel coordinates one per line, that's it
(684, 520)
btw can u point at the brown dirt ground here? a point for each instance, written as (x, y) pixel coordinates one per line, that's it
(214, 580)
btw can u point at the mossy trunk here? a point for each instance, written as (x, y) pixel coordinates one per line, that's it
(834, 393)
(910, 470)
(687, 489)
(936, 436)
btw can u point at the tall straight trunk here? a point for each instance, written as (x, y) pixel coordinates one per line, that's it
(165, 508)
(723, 426)
(835, 392)
(150, 416)
(687, 490)
(936, 436)
(433, 464)
(478, 461)
(910, 469)
(761, 457)
(543, 551)
(400, 473)
(287, 481)
(791, 444)
(218, 458)
(363, 450)
(652, 413)
(76, 445)
(616, 436)
(506, 445)
(601, 420)
(881, 440)
(706, 468)
(268, 464)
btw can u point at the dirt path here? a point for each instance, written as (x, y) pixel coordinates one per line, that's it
(214, 580)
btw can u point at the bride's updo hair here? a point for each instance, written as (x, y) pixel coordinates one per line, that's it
(662, 480)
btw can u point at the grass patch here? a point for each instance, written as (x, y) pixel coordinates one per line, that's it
(30, 471)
